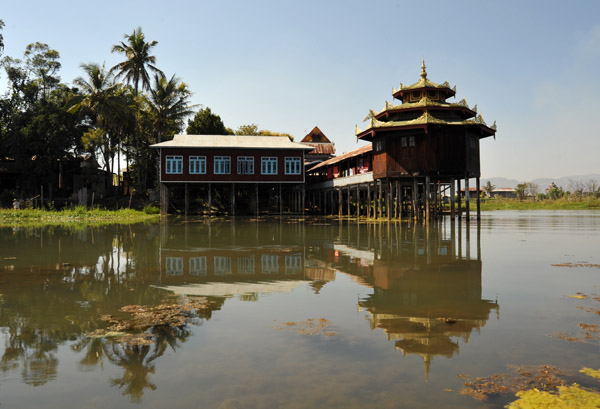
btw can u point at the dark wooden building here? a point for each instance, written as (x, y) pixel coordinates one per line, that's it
(242, 163)
(422, 149)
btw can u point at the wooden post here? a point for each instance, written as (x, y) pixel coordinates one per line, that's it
(427, 196)
(379, 195)
(397, 201)
(468, 210)
(478, 198)
(452, 199)
(280, 201)
(256, 197)
(400, 198)
(459, 198)
(358, 200)
(210, 200)
(164, 199)
(233, 199)
(348, 203)
(302, 192)
(340, 202)
(415, 199)
(186, 205)
(388, 196)
(368, 200)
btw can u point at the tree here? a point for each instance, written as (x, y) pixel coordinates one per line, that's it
(521, 190)
(252, 130)
(1, 38)
(167, 106)
(135, 70)
(138, 60)
(489, 188)
(207, 123)
(42, 62)
(97, 106)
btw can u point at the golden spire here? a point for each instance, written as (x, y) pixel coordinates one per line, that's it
(423, 72)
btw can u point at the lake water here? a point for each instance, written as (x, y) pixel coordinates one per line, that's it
(319, 313)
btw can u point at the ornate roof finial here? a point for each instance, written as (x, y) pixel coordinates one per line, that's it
(423, 72)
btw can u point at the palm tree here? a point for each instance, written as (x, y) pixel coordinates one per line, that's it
(135, 70)
(138, 58)
(167, 106)
(98, 103)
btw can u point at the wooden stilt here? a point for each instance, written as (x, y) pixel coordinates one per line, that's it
(467, 194)
(302, 193)
(415, 199)
(452, 199)
(280, 201)
(186, 204)
(388, 197)
(368, 200)
(256, 198)
(478, 198)
(210, 200)
(459, 198)
(233, 199)
(340, 202)
(427, 197)
(164, 199)
(348, 202)
(357, 200)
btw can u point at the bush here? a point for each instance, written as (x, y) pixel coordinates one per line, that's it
(149, 209)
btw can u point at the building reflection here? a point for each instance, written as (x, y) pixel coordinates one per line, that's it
(426, 280)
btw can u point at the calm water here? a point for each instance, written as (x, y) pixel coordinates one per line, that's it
(409, 308)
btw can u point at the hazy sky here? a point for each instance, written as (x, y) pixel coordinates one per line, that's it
(533, 66)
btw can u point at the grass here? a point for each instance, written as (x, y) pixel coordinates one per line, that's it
(557, 204)
(76, 214)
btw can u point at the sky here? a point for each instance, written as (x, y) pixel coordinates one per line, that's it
(287, 66)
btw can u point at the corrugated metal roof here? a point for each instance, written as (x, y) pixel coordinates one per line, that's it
(232, 141)
(347, 155)
(321, 148)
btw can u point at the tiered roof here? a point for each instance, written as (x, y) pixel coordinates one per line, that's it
(424, 103)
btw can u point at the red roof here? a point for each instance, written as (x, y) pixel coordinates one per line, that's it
(356, 152)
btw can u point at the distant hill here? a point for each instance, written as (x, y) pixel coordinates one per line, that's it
(543, 183)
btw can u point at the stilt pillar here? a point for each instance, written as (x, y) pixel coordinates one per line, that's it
(233, 199)
(368, 200)
(186, 205)
(459, 198)
(164, 199)
(452, 199)
(467, 194)
(280, 201)
(209, 200)
(256, 197)
(415, 199)
(340, 202)
(427, 197)
(477, 186)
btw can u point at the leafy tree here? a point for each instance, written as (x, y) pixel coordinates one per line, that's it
(42, 62)
(1, 38)
(489, 188)
(521, 190)
(205, 122)
(252, 129)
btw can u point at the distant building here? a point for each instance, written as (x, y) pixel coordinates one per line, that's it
(323, 148)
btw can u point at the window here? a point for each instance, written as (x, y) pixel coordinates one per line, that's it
(270, 264)
(197, 165)
(292, 166)
(404, 141)
(246, 265)
(173, 165)
(222, 265)
(268, 166)
(245, 165)
(293, 264)
(222, 165)
(174, 266)
(411, 141)
(198, 266)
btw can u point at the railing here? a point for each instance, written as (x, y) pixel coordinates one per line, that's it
(343, 181)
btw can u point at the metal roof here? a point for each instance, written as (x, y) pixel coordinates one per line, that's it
(356, 152)
(232, 141)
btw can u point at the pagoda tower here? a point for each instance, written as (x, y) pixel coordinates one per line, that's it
(425, 144)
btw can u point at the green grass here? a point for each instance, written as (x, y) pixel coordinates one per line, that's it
(77, 214)
(557, 204)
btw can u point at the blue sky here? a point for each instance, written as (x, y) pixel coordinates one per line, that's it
(532, 66)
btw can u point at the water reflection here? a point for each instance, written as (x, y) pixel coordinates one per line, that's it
(423, 285)
(427, 287)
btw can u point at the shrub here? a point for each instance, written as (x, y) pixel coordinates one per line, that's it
(149, 209)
